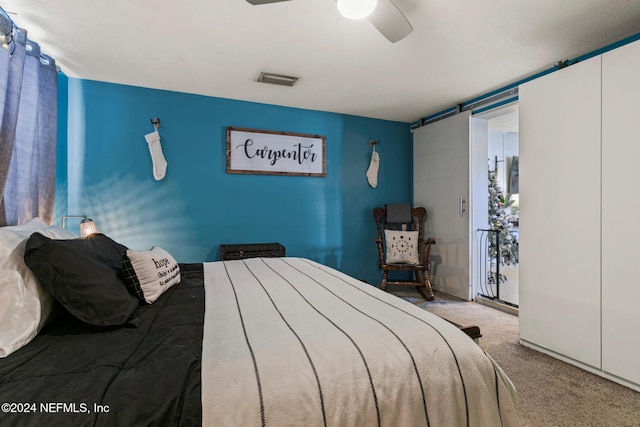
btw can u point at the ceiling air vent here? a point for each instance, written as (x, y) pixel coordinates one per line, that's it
(277, 79)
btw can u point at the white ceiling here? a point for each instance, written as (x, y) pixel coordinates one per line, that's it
(505, 123)
(503, 120)
(459, 49)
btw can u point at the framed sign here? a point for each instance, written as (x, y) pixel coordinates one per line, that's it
(265, 152)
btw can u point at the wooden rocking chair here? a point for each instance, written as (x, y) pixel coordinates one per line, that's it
(398, 251)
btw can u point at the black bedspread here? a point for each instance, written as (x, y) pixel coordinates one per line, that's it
(148, 375)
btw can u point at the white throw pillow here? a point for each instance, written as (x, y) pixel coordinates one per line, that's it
(149, 274)
(24, 304)
(402, 247)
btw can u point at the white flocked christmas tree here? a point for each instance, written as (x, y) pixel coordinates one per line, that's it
(502, 234)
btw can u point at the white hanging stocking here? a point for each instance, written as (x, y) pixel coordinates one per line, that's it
(372, 172)
(157, 157)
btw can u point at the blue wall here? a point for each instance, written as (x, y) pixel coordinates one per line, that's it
(198, 206)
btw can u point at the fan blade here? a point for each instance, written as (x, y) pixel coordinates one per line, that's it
(390, 21)
(258, 2)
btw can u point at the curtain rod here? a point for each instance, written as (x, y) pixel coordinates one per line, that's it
(506, 90)
(22, 33)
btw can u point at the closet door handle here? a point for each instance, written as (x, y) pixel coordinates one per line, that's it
(461, 208)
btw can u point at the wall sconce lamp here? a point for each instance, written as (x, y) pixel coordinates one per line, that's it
(87, 226)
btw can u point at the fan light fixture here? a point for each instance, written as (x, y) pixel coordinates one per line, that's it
(356, 9)
(383, 14)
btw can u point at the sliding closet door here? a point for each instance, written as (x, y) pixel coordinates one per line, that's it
(620, 212)
(560, 212)
(441, 184)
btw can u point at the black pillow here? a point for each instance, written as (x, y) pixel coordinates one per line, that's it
(82, 275)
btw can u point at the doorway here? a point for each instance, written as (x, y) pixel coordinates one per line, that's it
(499, 280)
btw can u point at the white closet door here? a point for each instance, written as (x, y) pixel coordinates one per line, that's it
(620, 212)
(440, 181)
(560, 212)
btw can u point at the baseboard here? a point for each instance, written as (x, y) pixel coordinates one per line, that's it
(493, 303)
(581, 365)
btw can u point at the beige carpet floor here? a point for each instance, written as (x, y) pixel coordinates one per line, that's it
(550, 392)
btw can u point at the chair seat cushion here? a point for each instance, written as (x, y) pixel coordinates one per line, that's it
(401, 266)
(402, 247)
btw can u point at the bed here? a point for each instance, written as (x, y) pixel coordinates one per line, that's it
(257, 342)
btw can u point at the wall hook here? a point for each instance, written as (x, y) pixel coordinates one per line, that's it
(155, 122)
(373, 143)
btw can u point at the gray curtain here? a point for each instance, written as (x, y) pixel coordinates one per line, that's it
(28, 131)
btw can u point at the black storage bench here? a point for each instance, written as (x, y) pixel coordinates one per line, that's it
(251, 250)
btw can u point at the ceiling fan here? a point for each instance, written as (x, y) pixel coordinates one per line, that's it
(386, 17)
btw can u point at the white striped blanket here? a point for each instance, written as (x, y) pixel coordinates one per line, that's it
(290, 342)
